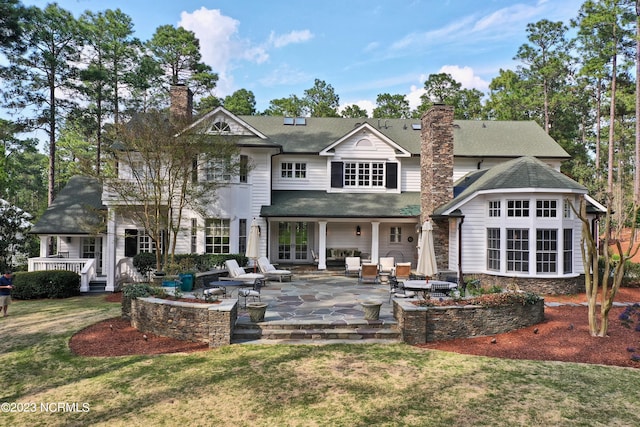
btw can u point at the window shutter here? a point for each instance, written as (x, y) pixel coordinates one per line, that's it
(130, 242)
(392, 175)
(336, 175)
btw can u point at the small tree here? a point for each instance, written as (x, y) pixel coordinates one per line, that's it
(611, 282)
(160, 168)
(14, 226)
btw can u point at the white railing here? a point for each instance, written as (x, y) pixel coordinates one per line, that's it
(85, 267)
(126, 272)
(87, 274)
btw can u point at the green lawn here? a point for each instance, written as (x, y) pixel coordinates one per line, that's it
(245, 385)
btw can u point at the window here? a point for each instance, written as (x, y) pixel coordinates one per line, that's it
(364, 174)
(293, 170)
(364, 143)
(194, 235)
(145, 243)
(567, 251)
(494, 208)
(493, 249)
(221, 127)
(242, 236)
(517, 208)
(546, 250)
(217, 236)
(217, 171)
(546, 208)
(244, 168)
(395, 235)
(566, 210)
(518, 250)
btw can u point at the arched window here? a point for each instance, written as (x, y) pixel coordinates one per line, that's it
(364, 143)
(221, 127)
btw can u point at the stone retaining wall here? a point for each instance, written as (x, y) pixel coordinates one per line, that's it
(536, 285)
(425, 324)
(210, 323)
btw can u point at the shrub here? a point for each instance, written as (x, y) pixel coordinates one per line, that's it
(46, 284)
(144, 262)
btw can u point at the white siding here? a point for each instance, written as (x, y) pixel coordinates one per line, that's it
(317, 175)
(410, 175)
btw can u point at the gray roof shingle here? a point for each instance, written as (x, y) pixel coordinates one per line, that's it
(76, 209)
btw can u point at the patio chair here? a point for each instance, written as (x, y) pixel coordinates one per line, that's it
(271, 272)
(386, 265)
(251, 293)
(352, 266)
(237, 273)
(403, 271)
(369, 273)
(397, 290)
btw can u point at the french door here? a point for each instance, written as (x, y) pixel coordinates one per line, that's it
(293, 241)
(92, 248)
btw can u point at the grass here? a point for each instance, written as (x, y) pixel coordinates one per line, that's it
(278, 385)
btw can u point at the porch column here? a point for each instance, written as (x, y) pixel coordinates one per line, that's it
(375, 241)
(44, 246)
(110, 255)
(322, 245)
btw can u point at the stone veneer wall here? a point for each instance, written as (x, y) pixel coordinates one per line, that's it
(210, 323)
(436, 173)
(425, 324)
(536, 285)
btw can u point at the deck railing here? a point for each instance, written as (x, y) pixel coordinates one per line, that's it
(85, 267)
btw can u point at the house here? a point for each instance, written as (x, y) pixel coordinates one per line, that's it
(325, 188)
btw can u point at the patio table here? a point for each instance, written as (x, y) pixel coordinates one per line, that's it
(224, 284)
(427, 286)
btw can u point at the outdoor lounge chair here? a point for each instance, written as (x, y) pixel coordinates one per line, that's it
(386, 265)
(271, 272)
(237, 273)
(352, 266)
(369, 273)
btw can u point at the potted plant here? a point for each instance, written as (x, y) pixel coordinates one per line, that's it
(371, 309)
(257, 311)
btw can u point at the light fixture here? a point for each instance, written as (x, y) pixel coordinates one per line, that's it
(68, 239)
(358, 231)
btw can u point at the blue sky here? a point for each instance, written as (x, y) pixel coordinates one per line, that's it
(362, 48)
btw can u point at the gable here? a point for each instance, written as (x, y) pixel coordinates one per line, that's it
(365, 142)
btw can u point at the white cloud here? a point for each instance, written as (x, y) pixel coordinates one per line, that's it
(466, 77)
(284, 75)
(291, 37)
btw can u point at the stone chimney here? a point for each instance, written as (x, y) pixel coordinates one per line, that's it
(436, 175)
(181, 102)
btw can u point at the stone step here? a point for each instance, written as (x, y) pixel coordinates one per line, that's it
(247, 332)
(245, 323)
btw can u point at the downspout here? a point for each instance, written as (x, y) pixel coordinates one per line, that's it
(460, 279)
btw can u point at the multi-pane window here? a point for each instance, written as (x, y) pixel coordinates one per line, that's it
(567, 251)
(218, 171)
(546, 251)
(194, 235)
(494, 208)
(395, 235)
(293, 170)
(364, 174)
(221, 127)
(242, 235)
(217, 236)
(493, 249)
(518, 250)
(145, 243)
(244, 168)
(566, 209)
(546, 208)
(517, 208)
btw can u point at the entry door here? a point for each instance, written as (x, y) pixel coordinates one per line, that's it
(293, 241)
(92, 248)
